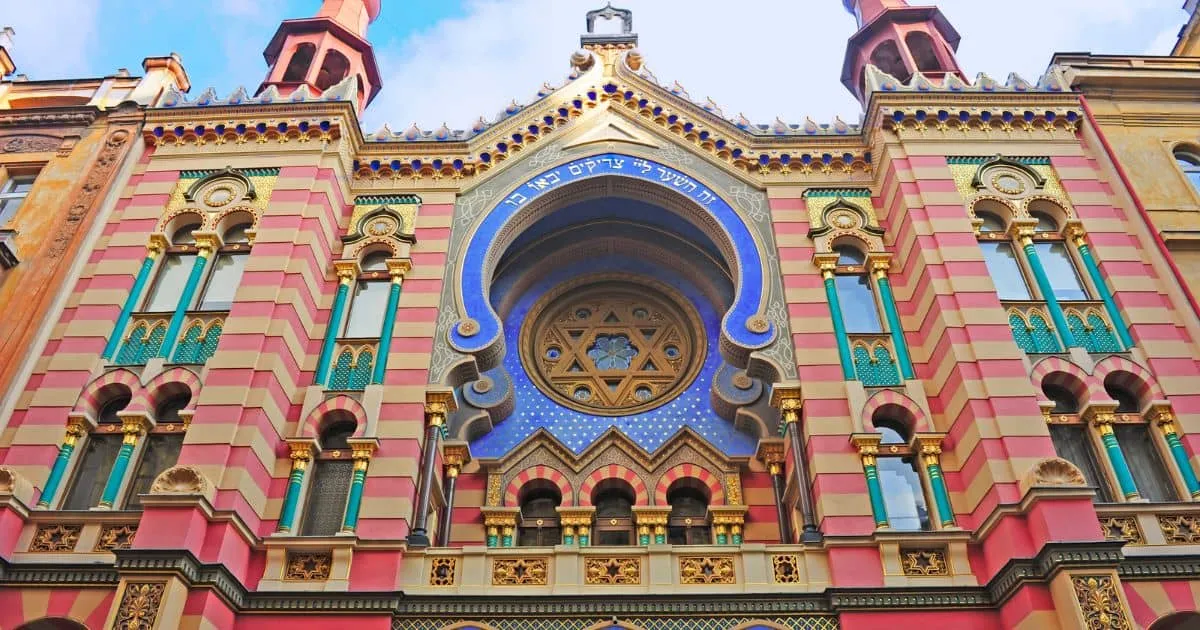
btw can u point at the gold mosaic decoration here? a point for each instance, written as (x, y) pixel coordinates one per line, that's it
(609, 571)
(55, 538)
(817, 204)
(263, 187)
(407, 212)
(520, 571)
(1100, 603)
(612, 348)
(1122, 528)
(308, 566)
(964, 176)
(139, 605)
(1181, 529)
(115, 537)
(707, 570)
(786, 567)
(924, 562)
(442, 571)
(493, 490)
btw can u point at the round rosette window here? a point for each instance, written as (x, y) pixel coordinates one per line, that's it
(612, 347)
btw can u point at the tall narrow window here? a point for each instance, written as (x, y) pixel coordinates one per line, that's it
(370, 298)
(161, 450)
(688, 524)
(12, 194)
(1146, 463)
(860, 311)
(1056, 259)
(903, 493)
(173, 274)
(97, 457)
(1189, 162)
(329, 487)
(1001, 259)
(614, 513)
(1072, 439)
(539, 526)
(227, 270)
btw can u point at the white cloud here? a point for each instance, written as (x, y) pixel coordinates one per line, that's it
(763, 59)
(48, 44)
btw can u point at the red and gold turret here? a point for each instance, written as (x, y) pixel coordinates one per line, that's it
(899, 40)
(321, 51)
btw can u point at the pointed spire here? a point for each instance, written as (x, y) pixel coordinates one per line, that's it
(910, 44)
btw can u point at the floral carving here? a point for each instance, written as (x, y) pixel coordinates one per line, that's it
(101, 170)
(308, 567)
(180, 480)
(1182, 529)
(116, 537)
(29, 144)
(139, 605)
(520, 572)
(55, 538)
(442, 570)
(1122, 528)
(924, 562)
(1100, 603)
(612, 571)
(786, 567)
(707, 570)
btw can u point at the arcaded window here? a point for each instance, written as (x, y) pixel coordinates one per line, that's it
(1056, 259)
(688, 524)
(98, 454)
(539, 525)
(1001, 259)
(860, 311)
(365, 319)
(614, 513)
(174, 271)
(1140, 446)
(1073, 439)
(903, 492)
(227, 269)
(329, 487)
(161, 448)
(297, 67)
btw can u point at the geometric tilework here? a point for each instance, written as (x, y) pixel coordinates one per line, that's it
(1036, 336)
(1095, 335)
(879, 370)
(142, 346)
(198, 346)
(350, 372)
(645, 623)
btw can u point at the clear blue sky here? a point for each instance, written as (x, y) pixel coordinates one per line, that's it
(456, 60)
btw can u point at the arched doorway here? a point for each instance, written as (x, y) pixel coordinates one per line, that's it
(52, 623)
(1185, 620)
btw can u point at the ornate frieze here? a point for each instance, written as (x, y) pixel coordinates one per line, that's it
(520, 571)
(115, 537)
(1180, 529)
(308, 566)
(442, 571)
(1122, 528)
(707, 570)
(55, 538)
(139, 605)
(1100, 603)
(786, 568)
(924, 562)
(608, 571)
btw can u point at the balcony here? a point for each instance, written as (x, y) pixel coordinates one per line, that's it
(196, 343)
(1033, 330)
(874, 356)
(353, 364)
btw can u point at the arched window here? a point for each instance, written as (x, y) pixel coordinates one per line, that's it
(173, 273)
(161, 448)
(1140, 447)
(886, 57)
(56, 623)
(98, 454)
(539, 526)
(329, 486)
(1001, 258)
(370, 298)
(1073, 441)
(1052, 251)
(920, 46)
(334, 68)
(903, 492)
(614, 513)
(688, 523)
(1189, 163)
(297, 67)
(1184, 620)
(227, 269)
(855, 293)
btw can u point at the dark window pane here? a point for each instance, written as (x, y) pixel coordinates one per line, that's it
(610, 537)
(858, 304)
(849, 255)
(99, 453)
(1005, 271)
(903, 495)
(161, 452)
(614, 504)
(1072, 443)
(1126, 401)
(1147, 467)
(1045, 223)
(1064, 400)
(991, 222)
(327, 497)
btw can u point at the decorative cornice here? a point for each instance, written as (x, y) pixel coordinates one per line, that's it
(76, 116)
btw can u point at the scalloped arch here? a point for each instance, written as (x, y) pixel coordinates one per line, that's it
(513, 492)
(614, 471)
(311, 426)
(914, 417)
(716, 493)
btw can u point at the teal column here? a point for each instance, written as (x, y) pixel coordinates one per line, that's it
(568, 539)
(644, 537)
(132, 428)
(660, 538)
(722, 537)
(875, 490)
(1093, 270)
(584, 532)
(931, 452)
(385, 336)
(1115, 456)
(1043, 282)
(507, 539)
(74, 432)
(361, 458)
(491, 540)
(301, 455)
(893, 320)
(839, 326)
(131, 301)
(1166, 422)
(735, 534)
(335, 323)
(185, 300)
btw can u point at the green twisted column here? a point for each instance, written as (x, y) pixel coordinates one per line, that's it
(301, 455)
(139, 284)
(839, 325)
(1043, 282)
(76, 428)
(346, 272)
(1110, 305)
(931, 451)
(361, 453)
(132, 428)
(893, 317)
(1103, 420)
(868, 451)
(1164, 417)
(207, 245)
(397, 268)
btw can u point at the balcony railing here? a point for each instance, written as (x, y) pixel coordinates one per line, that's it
(875, 363)
(1033, 330)
(353, 363)
(196, 343)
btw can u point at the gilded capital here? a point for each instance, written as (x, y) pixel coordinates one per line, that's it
(398, 268)
(880, 263)
(787, 399)
(438, 403)
(301, 451)
(867, 445)
(1163, 416)
(827, 263)
(157, 244)
(362, 449)
(207, 241)
(455, 455)
(347, 270)
(770, 451)
(1101, 415)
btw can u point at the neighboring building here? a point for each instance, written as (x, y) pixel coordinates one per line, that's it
(613, 361)
(63, 145)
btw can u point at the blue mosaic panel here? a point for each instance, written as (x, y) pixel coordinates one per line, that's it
(196, 346)
(877, 369)
(649, 429)
(1095, 335)
(351, 374)
(141, 347)
(1034, 338)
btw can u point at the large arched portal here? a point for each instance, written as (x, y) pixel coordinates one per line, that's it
(611, 291)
